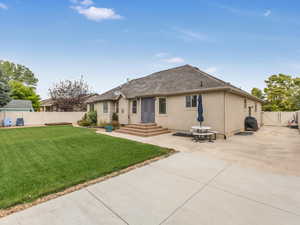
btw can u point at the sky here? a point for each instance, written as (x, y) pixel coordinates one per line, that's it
(110, 41)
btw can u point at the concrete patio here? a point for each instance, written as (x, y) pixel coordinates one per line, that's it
(201, 185)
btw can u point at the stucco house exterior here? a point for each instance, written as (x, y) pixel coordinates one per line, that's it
(169, 99)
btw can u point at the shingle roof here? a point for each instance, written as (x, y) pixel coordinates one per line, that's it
(177, 80)
(18, 104)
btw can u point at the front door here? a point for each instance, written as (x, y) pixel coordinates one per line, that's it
(148, 110)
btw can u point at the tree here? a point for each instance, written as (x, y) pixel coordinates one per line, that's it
(21, 92)
(69, 95)
(257, 93)
(11, 71)
(4, 91)
(281, 94)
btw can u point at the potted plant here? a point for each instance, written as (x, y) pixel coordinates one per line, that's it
(115, 120)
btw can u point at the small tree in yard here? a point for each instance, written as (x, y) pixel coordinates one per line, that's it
(68, 95)
(4, 91)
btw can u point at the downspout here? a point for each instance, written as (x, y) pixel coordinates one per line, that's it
(128, 111)
(225, 115)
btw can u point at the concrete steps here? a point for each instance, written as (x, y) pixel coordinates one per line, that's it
(143, 130)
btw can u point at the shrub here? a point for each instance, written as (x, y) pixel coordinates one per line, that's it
(84, 123)
(115, 117)
(92, 117)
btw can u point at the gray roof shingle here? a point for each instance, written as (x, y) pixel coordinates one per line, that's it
(167, 82)
(18, 104)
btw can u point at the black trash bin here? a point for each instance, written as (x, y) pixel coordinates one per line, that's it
(20, 122)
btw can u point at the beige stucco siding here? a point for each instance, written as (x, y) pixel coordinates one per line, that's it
(123, 111)
(104, 117)
(179, 117)
(135, 118)
(236, 112)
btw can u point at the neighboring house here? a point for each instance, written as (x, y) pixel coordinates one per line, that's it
(48, 105)
(169, 99)
(18, 106)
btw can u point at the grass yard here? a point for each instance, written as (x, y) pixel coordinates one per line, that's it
(42, 160)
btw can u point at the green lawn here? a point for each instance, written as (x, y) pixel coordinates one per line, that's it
(42, 160)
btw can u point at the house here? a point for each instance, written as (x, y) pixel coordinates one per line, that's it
(18, 106)
(49, 105)
(169, 99)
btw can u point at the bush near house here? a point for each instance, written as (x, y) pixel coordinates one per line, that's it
(89, 119)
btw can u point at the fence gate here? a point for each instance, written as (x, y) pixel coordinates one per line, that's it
(277, 118)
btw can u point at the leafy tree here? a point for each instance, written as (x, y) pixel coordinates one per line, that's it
(70, 95)
(4, 91)
(11, 71)
(21, 92)
(257, 93)
(281, 94)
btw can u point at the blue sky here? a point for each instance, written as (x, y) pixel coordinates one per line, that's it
(108, 41)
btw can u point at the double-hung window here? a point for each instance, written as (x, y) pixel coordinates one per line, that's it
(191, 101)
(92, 107)
(134, 106)
(105, 107)
(162, 106)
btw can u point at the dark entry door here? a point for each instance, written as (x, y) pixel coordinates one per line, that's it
(148, 110)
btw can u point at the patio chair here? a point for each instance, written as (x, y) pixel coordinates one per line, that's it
(203, 136)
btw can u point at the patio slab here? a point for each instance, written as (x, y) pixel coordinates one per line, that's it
(277, 190)
(77, 208)
(145, 196)
(201, 169)
(216, 207)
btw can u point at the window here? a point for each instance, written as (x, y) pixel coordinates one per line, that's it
(162, 106)
(255, 107)
(92, 107)
(105, 107)
(134, 106)
(117, 107)
(188, 102)
(194, 101)
(191, 101)
(245, 103)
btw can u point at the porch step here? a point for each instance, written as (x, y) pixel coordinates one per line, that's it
(143, 130)
(142, 126)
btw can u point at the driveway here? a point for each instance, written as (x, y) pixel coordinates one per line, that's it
(192, 187)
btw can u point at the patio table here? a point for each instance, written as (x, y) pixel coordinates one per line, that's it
(202, 132)
(201, 128)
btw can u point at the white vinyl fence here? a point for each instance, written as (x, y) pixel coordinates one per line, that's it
(298, 117)
(278, 118)
(40, 118)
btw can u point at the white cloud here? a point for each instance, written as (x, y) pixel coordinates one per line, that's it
(161, 54)
(211, 70)
(189, 35)
(3, 6)
(97, 14)
(267, 13)
(175, 60)
(87, 2)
